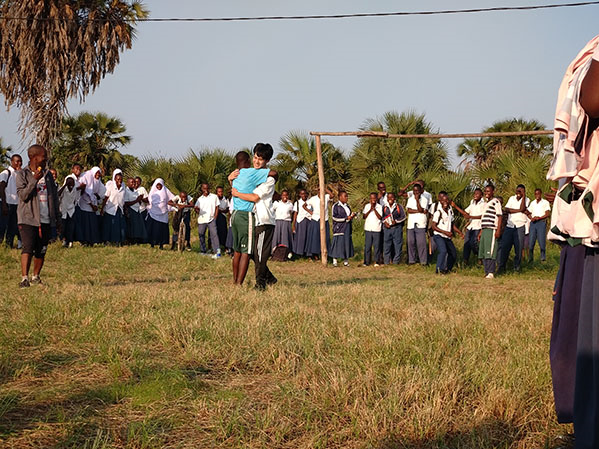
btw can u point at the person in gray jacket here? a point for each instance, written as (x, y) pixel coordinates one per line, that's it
(37, 212)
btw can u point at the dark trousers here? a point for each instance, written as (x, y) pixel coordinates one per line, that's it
(538, 232)
(447, 254)
(471, 244)
(221, 229)
(511, 237)
(12, 228)
(3, 224)
(372, 239)
(261, 253)
(213, 236)
(417, 247)
(393, 242)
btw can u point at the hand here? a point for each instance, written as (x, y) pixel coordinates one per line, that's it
(478, 237)
(94, 208)
(234, 174)
(452, 203)
(387, 225)
(234, 191)
(497, 233)
(139, 199)
(181, 206)
(39, 173)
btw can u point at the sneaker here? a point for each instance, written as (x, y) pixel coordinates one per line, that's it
(188, 248)
(335, 263)
(346, 264)
(376, 264)
(19, 244)
(272, 281)
(489, 276)
(65, 244)
(216, 256)
(24, 283)
(70, 244)
(364, 264)
(36, 280)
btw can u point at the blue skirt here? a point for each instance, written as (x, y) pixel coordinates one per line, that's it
(136, 227)
(343, 245)
(158, 233)
(283, 235)
(313, 241)
(114, 227)
(87, 228)
(301, 237)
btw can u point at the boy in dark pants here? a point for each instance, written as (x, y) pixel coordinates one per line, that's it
(372, 214)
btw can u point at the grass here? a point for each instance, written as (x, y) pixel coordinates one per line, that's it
(140, 348)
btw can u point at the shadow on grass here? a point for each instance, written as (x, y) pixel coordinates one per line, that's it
(334, 282)
(491, 433)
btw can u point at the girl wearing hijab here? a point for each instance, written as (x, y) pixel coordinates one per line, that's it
(113, 222)
(87, 230)
(136, 226)
(158, 233)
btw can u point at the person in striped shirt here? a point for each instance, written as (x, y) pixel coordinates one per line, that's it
(490, 231)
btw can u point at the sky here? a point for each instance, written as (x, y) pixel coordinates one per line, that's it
(231, 84)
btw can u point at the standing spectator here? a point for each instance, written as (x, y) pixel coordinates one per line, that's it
(443, 227)
(538, 211)
(207, 209)
(221, 219)
(515, 228)
(417, 207)
(114, 227)
(491, 219)
(38, 210)
(342, 246)
(313, 238)
(183, 203)
(158, 209)
(136, 226)
(282, 240)
(473, 213)
(372, 214)
(87, 230)
(69, 198)
(9, 199)
(302, 213)
(394, 217)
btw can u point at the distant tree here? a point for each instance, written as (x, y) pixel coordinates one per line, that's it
(297, 163)
(4, 154)
(92, 139)
(62, 49)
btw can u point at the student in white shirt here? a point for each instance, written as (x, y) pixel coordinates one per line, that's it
(373, 215)
(515, 228)
(229, 241)
(313, 240)
(69, 197)
(87, 230)
(283, 236)
(182, 203)
(207, 209)
(473, 213)
(113, 207)
(302, 213)
(143, 204)
(9, 202)
(538, 211)
(443, 227)
(221, 219)
(417, 207)
(136, 226)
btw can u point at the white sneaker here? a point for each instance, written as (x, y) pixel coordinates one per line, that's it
(489, 276)
(19, 244)
(346, 264)
(376, 265)
(335, 264)
(216, 256)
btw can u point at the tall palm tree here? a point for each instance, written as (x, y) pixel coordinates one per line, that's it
(90, 139)
(53, 50)
(298, 166)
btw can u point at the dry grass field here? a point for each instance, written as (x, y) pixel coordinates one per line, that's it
(141, 348)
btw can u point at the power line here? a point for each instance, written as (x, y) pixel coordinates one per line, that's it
(338, 16)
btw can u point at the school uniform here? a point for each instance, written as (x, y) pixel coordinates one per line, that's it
(113, 221)
(221, 221)
(158, 209)
(342, 246)
(229, 242)
(10, 221)
(87, 230)
(488, 247)
(264, 231)
(394, 216)
(207, 208)
(538, 229)
(514, 234)
(68, 204)
(182, 215)
(372, 232)
(313, 240)
(472, 229)
(416, 234)
(136, 226)
(447, 253)
(302, 224)
(283, 215)
(383, 202)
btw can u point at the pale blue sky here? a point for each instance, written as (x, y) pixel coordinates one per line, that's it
(232, 84)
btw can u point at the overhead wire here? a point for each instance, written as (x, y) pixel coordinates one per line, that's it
(337, 16)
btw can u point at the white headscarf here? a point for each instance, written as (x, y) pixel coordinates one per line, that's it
(93, 186)
(115, 172)
(159, 198)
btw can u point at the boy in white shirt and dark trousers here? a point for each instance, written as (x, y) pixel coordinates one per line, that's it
(473, 213)
(69, 198)
(207, 209)
(443, 228)
(372, 214)
(9, 200)
(515, 228)
(538, 211)
(417, 207)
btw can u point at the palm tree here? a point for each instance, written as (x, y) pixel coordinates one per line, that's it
(297, 162)
(4, 158)
(54, 50)
(91, 139)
